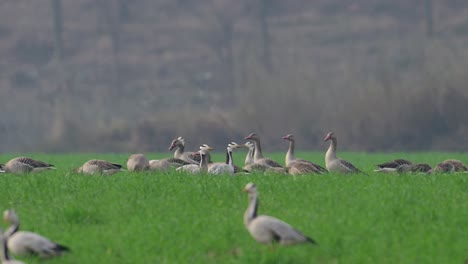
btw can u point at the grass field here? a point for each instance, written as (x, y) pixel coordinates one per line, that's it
(173, 218)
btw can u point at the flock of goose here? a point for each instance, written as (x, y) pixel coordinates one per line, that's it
(264, 229)
(200, 162)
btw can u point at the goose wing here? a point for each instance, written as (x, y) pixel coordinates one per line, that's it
(29, 243)
(272, 163)
(394, 164)
(281, 231)
(33, 163)
(105, 165)
(318, 167)
(302, 168)
(349, 166)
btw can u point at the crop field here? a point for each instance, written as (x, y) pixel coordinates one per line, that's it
(153, 217)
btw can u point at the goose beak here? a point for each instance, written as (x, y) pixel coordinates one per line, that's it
(210, 148)
(248, 137)
(284, 137)
(326, 138)
(171, 147)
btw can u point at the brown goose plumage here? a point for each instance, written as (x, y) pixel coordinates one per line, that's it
(24, 165)
(258, 155)
(290, 159)
(101, 167)
(392, 166)
(335, 164)
(137, 162)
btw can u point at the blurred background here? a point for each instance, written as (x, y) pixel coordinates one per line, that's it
(119, 75)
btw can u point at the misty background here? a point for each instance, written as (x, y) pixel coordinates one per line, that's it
(119, 75)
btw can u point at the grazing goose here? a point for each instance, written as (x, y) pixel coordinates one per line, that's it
(258, 156)
(410, 168)
(299, 168)
(137, 162)
(203, 166)
(190, 157)
(23, 243)
(392, 166)
(335, 164)
(459, 166)
(267, 229)
(219, 168)
(101, 167)
(443, 167)
(6, 259)
(21, 165)
(290, 159)
(166, 164)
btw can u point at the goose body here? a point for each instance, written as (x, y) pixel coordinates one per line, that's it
(458, 165)
(411, 168)
(101, 167)
(6, 258)
(392, 166)
(138, 162)
(226, 168)
(443, 167)
(202, 167)
(335, 164)
(290, 159)
(258, 155)
(166, 164)
(267, 229)
(23, 243)
(21, 165)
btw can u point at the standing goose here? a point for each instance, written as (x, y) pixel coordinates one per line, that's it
(203, 166)
(290, 158)
(392, 166)
(179, 145)
(335, 164)
(227, 167)
(267, 229)
(23, 243)
(102, 167)
(137, 162)
(21, 165)
(6, 259)
(258, 156)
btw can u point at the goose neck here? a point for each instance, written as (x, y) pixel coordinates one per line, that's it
(331, 152)
(290, 154)
(179, 151)
(251, 211)
(203, 162)
(249, 158)
(258, 150)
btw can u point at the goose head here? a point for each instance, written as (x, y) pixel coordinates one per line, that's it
(253, 137)
(288, 137)
(10, 216)
(231, 146)
(180, 141)
(249, 145)
(330, 135)
(204, 149)
(250, 188)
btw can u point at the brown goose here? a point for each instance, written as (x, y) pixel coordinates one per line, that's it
(137, 162)
(203, 166)
(179, 145)
(335, 164)
(392, 166)
(166, 164)
(459, 166)
(418, 168)
(443, 167)
(267, 229)
(290, 159)
(299, 168)
(101, 167)
(21, 165)
(258, 156)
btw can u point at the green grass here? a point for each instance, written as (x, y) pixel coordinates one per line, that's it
(173, 218)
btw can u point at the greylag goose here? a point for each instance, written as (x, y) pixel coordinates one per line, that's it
(443, 167)
(250, 166)
(299, 168)
(418, 167)
(179, 145)
(99, 167)
(23, 243)
(6, 259)
(203, 166)
(137, 162)
(290, 159)
(335, 164)
(219, 168)
(166, 164)
(458, 165)
(392, 166)
(24, 165)
(258, 156)
(267, 229)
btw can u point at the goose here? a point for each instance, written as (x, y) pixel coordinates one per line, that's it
(250, 165)
(258, 156)
(166, 164)
(6, 259)
(419, 167)
(392, 166)
(299, 168)
(235, 146)
(443, 167)
(23, 243)
(179, 145)
(459, 166)
(335, 164)
(102, 167)
(249, 158)
(203, 166)
(221, 167)
(21, 165)
(290, 158)
(267, 229)
(137, 162)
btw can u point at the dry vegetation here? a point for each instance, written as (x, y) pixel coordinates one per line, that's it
(136, 73)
